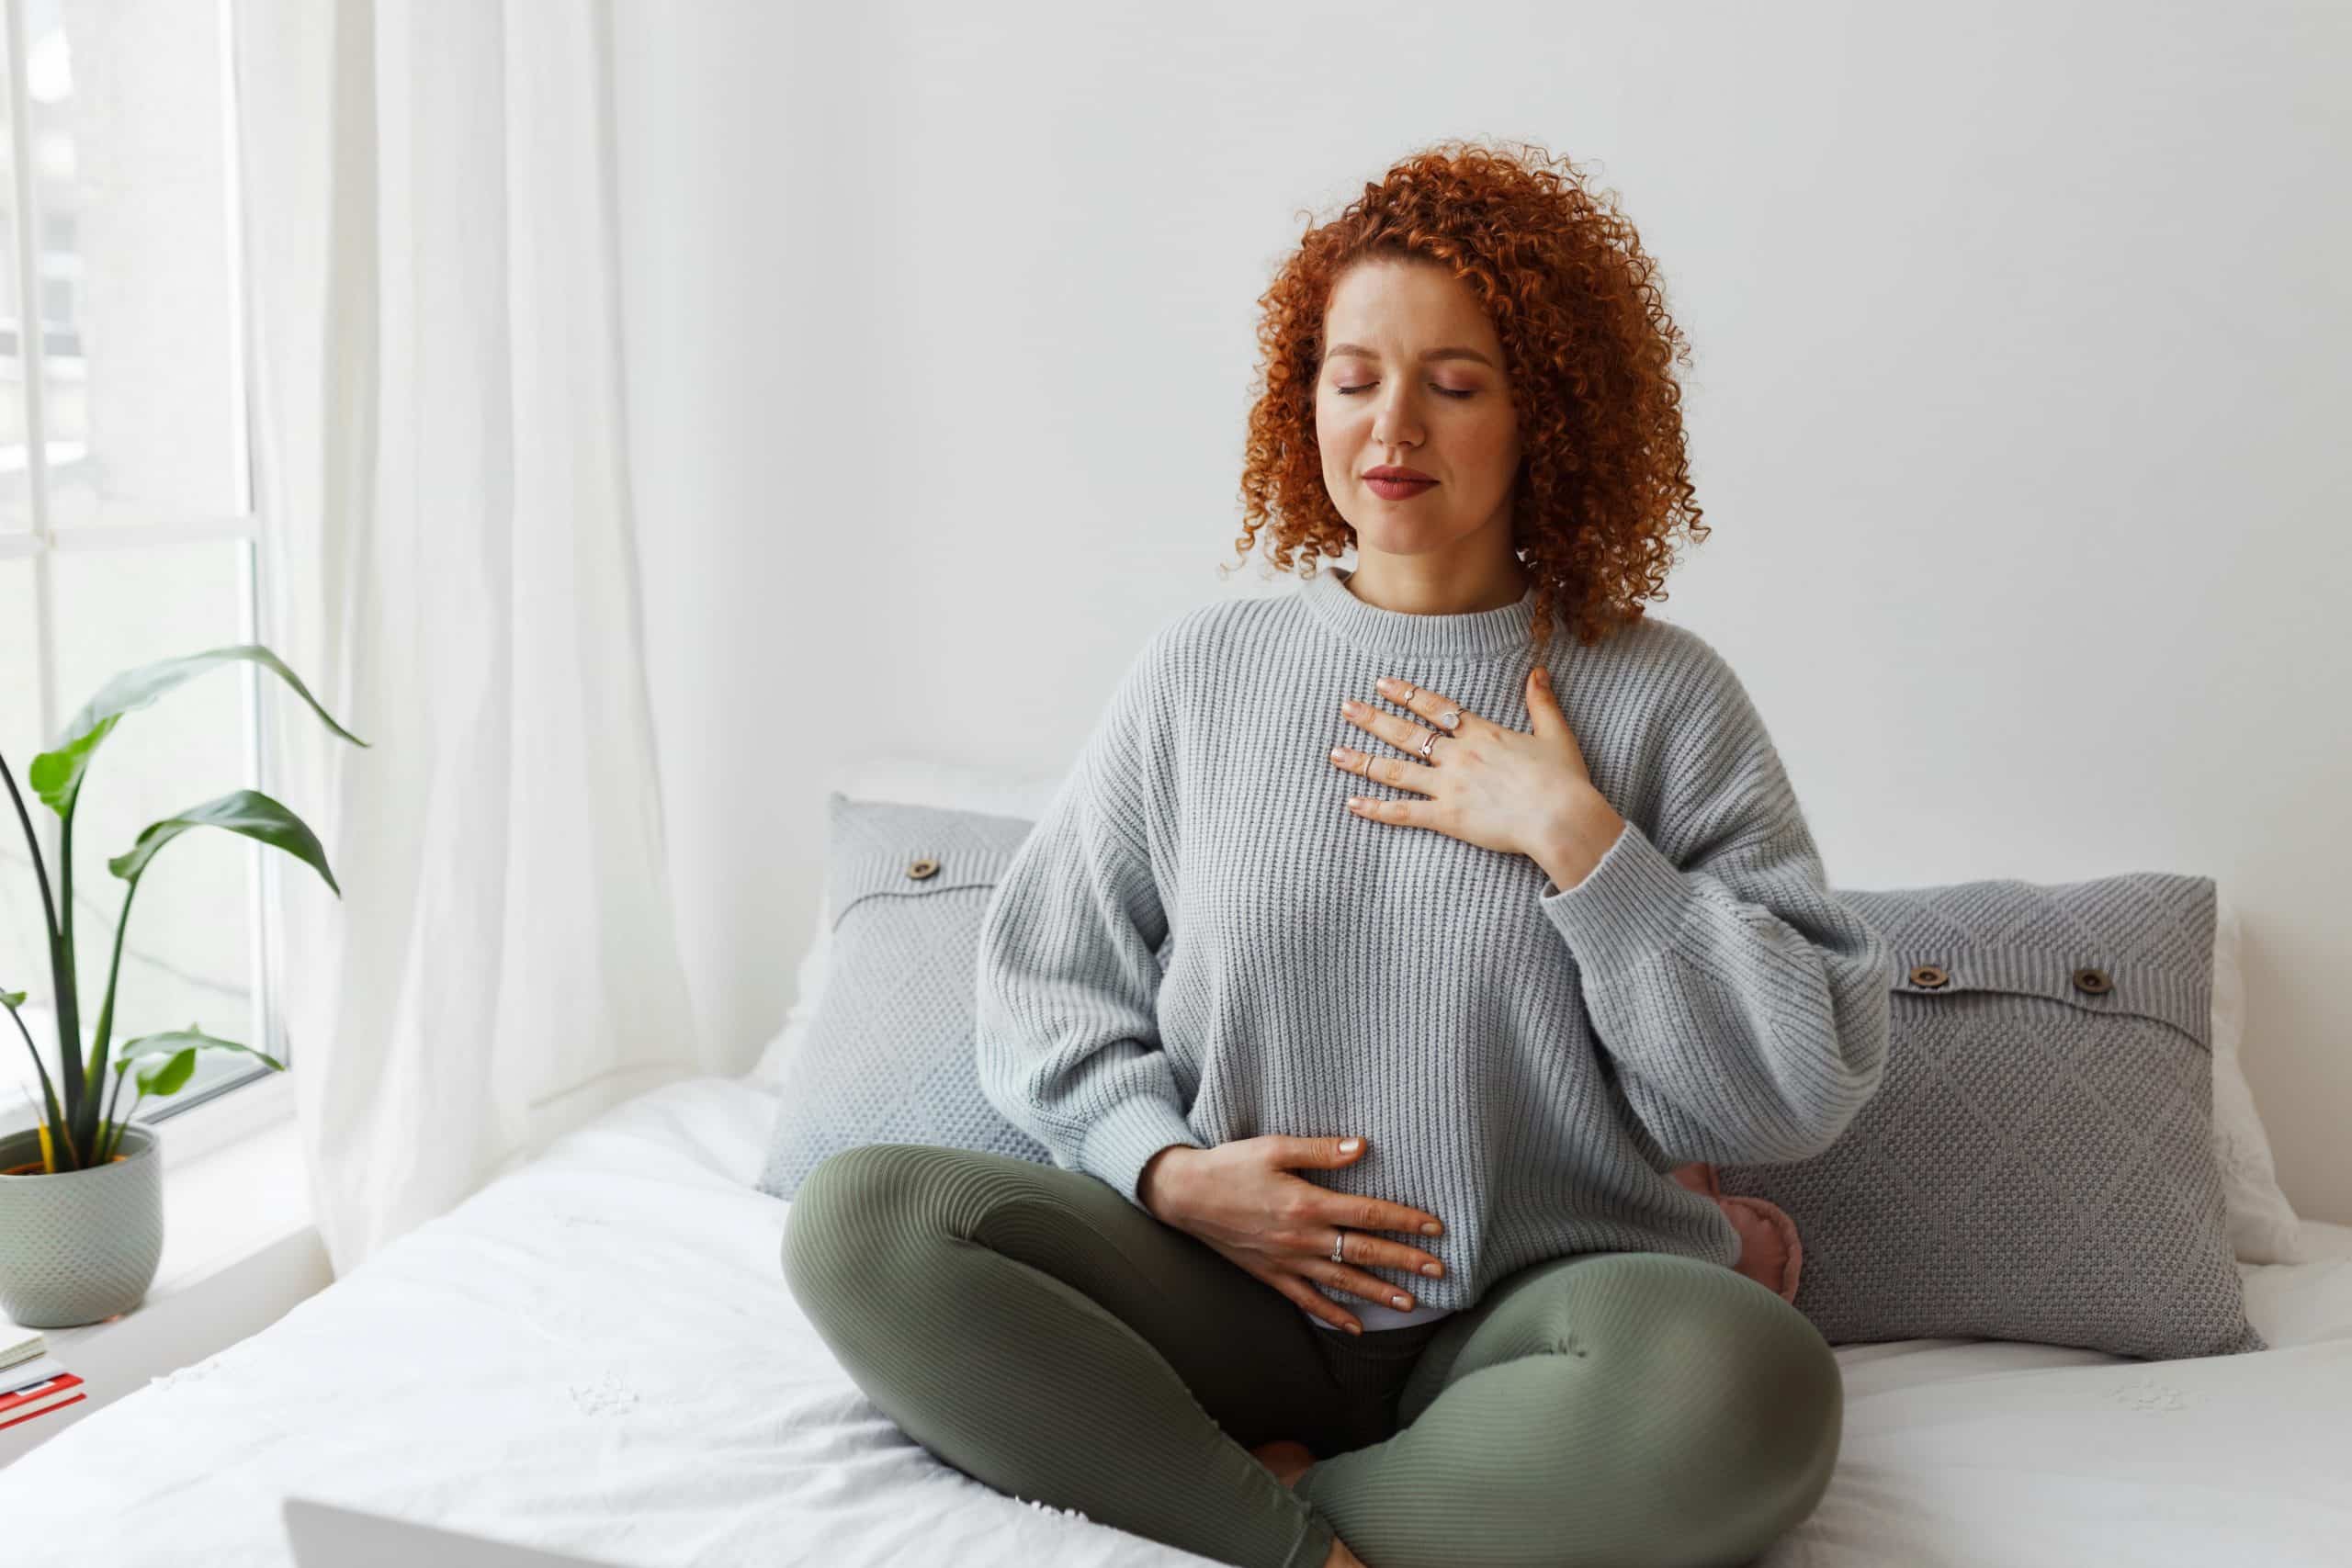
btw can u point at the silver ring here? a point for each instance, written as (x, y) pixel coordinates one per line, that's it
(1338, 1239)
(1429, 744)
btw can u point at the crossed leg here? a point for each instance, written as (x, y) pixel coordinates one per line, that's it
(1637, 1409)
(1035, 1329)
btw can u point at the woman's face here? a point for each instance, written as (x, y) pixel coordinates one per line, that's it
(1412, 377)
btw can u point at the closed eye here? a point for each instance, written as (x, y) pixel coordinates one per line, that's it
(1447, 391)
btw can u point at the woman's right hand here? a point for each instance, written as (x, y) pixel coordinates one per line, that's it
(1240, 1199)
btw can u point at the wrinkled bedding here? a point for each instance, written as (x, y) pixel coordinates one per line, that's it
(598, 1354)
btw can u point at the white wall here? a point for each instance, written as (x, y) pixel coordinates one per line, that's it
(2020, 340)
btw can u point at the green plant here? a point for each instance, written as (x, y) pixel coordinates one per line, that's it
(89, 1131)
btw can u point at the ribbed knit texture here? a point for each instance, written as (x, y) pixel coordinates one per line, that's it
(1199, 942)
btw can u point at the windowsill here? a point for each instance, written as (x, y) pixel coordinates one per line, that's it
(233, 1183)
(239, 1252)
(246, 1111)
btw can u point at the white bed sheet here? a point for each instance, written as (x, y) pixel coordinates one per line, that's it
(598, 1353)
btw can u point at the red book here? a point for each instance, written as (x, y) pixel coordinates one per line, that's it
(31, 1403)
(41, 1411)
(38, 1392)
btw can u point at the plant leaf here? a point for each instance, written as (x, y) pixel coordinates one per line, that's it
(56, 775)
(12, 999)
(174, 1040)
(246, 811)
(169, 1074)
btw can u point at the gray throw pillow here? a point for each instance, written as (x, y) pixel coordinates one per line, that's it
(889, 1054)
(2037, 1163)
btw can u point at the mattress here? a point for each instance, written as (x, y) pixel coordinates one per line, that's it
(597, 1353)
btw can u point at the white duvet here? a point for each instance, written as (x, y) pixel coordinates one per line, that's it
(598, 1353)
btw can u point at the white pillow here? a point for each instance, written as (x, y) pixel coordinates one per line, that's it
(956, 787)
(2263, 1225)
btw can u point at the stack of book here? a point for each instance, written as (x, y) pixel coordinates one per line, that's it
(32, 1382)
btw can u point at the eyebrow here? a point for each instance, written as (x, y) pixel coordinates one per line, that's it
(1339, 348)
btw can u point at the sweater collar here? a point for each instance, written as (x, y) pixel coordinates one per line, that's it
(1475, 634)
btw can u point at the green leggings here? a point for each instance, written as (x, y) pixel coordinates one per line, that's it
(1034, 1330)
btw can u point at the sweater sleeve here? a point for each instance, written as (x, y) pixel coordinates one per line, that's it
(1746, 1009)
(1068, 970)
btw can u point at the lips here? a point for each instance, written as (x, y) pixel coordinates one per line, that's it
(1398, 490)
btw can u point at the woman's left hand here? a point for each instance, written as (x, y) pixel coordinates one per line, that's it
(1509, 790)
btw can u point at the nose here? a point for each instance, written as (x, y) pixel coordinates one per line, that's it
(1396, 423)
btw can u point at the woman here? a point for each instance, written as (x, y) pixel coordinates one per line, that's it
(1313, 998)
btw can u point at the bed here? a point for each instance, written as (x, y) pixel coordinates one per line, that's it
(597, 1353)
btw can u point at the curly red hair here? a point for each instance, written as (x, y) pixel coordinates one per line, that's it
(1604, 478)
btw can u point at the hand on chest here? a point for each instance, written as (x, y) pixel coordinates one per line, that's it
(1273, 860)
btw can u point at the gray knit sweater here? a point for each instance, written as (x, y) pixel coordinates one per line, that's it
(1199, 942)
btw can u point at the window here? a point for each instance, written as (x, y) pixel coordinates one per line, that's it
(126, 526)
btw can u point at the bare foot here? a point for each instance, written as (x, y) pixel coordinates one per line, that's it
(1286, 1459)
(1289, 1461)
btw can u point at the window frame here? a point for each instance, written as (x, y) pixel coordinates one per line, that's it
(205, 1122)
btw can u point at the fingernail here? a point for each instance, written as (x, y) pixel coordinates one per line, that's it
(1432, 1228)
(1350, 1146)
(1433, 1271)
(1355, 1328)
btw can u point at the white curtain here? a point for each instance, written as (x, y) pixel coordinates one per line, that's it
(441, 427)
